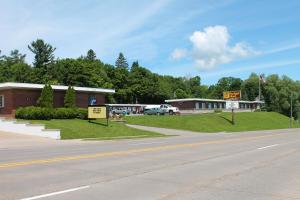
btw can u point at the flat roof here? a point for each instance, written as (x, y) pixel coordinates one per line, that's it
(124, 104)
(12, 85)
(207, 100)
(130, 105)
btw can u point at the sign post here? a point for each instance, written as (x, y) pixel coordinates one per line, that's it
(98, 112)
(232, 116)
(232, 103)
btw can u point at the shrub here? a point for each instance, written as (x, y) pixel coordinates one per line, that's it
(218, 110)
(64, 113)
(82, 113)
(70, 97)
(38, 113)
(34, 113)
(46, 98)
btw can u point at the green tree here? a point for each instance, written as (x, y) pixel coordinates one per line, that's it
(120, 80)
(224, 84)
(180, 94)
(121, 61)
(135, 64)
(195, 88)
(46, 98)
(21, 72)
(250, 88)
(15, 57)
(70, 98)
(14, 68)
(43, 53)
(143, 85)
(91, 55)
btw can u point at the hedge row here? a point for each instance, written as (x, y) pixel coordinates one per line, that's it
(39, 113)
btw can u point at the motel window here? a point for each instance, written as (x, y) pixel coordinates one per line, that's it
(1, 101)
(209, 105)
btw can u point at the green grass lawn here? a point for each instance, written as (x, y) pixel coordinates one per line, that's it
(214, 122)
(76, 128)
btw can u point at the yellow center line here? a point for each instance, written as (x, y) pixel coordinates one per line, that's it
(128, 152)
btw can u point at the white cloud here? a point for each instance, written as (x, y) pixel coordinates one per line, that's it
(211, 48)
(179, 53)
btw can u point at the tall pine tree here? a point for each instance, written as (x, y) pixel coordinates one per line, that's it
(44, 53)
(121, 61)
(91, 55)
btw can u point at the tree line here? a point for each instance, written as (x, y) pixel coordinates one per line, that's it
(137, 84)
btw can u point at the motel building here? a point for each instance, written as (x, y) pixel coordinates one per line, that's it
(15, 95)
(209, 105)
(131, 108)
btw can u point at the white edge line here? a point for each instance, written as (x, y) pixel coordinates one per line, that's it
(274, 145)
(56, 193)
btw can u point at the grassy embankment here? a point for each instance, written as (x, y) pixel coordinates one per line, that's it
(76, 128)
(215, 122)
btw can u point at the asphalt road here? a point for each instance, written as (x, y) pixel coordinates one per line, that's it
(255, 165)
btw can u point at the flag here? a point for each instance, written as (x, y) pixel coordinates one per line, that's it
(262, 78)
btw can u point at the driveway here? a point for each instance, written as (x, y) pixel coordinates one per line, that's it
(13, 140)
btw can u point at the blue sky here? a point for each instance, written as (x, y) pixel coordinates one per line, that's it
(208, 38)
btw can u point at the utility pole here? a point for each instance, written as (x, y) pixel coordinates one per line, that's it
(291, 118)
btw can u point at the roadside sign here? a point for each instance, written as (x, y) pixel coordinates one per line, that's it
(232, 105)
(233, 95)
(97, 112)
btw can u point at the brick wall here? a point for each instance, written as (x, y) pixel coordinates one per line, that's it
(82, 99)
(15, 98)
(23, 98)
(8, 103)
(186, 105)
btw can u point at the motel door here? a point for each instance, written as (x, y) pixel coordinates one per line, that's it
(197, 105)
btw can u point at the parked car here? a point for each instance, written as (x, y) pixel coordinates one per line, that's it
(120, 111)
(167, 108)
(154, 111)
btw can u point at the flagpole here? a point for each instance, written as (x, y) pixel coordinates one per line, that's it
(259, 90)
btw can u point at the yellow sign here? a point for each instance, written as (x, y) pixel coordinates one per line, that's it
(97, 112)
(232, 95)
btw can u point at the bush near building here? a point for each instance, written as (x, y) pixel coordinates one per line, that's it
(46, 98)
(39, 113)
(70, 98)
